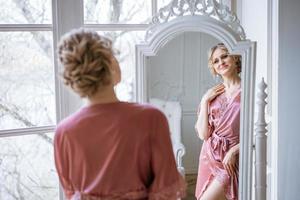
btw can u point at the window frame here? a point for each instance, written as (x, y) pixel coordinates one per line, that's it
(24, 28)
(5, 133)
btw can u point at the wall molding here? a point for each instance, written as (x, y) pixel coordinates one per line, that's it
(272, 73)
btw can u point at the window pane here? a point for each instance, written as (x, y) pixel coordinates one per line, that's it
(27, 168)
(25, 12)
(27, 96)
(162, 3)
(116, 11)
(125, 42)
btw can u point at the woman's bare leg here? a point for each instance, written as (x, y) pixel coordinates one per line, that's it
(215, 191)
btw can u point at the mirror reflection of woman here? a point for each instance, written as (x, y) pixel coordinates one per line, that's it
(218, 125)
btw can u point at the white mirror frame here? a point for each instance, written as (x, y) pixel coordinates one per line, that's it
(185, 16)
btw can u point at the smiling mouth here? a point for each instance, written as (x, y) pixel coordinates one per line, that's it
(223, 67)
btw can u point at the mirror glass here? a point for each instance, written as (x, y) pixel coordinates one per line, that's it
(179, 73)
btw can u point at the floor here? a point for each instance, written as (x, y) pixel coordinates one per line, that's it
(191, 184)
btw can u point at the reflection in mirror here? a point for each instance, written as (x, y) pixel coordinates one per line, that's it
(218, 124)
(181, 76)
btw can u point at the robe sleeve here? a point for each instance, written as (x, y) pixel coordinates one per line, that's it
(167, 183)
(62, 162)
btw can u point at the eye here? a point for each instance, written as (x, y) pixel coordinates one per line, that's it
(224, 56)
(215, 61)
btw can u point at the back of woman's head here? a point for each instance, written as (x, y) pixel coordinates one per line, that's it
(86, 58)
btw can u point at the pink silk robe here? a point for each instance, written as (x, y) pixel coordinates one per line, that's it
(117, 151)
(224, 126)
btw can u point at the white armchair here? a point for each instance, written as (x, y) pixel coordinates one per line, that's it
(172, 110)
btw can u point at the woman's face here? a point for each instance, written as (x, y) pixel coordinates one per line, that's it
(223, 63)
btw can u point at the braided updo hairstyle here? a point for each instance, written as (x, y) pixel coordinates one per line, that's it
(86, 58)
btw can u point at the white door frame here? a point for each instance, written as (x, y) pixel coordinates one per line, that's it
(273, 88)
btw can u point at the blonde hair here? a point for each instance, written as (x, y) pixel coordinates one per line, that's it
(237, 58)
(86, 57)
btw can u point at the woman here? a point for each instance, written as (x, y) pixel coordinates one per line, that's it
(218, 125)
(110, 149)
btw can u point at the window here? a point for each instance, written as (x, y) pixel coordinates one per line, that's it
(125, 23)
(117, 12)
(27, 100)
(32, 97)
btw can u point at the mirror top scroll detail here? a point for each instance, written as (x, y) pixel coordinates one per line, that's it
(207, 8)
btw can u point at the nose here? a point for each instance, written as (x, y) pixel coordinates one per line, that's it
(221, 61)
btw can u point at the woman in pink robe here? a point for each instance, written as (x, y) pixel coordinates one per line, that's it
(109, 149)
(218, 125)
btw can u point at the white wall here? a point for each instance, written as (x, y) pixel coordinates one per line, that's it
(254, 21)
(288, 101)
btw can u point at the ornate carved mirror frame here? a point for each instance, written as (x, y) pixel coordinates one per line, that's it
(215, 19)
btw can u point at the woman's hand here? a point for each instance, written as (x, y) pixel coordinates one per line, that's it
(212, 93)
(229, 162)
